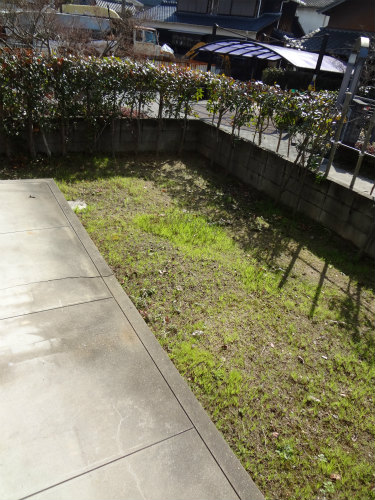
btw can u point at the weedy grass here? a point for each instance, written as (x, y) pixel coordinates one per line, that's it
(269, 317)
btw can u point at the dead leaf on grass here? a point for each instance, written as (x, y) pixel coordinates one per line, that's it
(335, 477)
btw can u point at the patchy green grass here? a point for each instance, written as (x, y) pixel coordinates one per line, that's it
(269, 318)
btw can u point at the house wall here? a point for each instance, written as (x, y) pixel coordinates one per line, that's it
(310, 20)
(221, 7)
(353, 15)
(286, 20)
(268, 6)
(243, 8)
(200, 6)
(341, 210)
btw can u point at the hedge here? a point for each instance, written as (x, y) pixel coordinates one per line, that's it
(39, 93)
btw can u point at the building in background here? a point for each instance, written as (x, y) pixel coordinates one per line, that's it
(308, 16)
(348, 20)
(130, 7)
(183, 23)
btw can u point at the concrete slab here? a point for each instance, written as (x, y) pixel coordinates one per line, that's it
(27, 299)
(214, 441)
(42, 255)
(162, 471)
(92, 406)
(28, 206)
(362, 185)
(93, 395)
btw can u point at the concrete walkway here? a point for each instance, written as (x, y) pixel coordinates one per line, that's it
(91, 407)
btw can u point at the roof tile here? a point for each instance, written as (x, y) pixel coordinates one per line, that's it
(340, 42)
(167, 12)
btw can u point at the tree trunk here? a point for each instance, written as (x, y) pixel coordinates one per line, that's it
(113, 130)
(184, 128)
(63, 137)
(45, 142)
(279, 141)
(30, 136)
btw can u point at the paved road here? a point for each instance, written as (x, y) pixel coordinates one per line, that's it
(91, 407)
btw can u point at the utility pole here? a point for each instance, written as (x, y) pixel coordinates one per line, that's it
(320, 60)
(354, 67)
(213, 38)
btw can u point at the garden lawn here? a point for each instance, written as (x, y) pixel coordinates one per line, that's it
(269, 318)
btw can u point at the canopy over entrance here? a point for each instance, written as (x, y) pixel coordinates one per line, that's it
(298, 58)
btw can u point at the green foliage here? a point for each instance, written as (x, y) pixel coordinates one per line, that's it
(208, 376)
(298, 79)
(38, 92)
(187, 230)
(277, 346)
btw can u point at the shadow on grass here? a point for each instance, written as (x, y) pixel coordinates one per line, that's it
(318, 290)
(290, 266)
(255, 222)
(360, 329)
(221, 192)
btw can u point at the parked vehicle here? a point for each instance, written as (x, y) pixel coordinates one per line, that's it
(89, 29)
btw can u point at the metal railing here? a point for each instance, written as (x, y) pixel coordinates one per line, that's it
(357, 128)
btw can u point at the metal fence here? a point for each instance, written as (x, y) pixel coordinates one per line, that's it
(190, 64)
(355, 132)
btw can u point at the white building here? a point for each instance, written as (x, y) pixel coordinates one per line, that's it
(308, 17)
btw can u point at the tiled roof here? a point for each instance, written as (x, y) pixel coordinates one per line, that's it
(112, 5)
(163, 12)
(340, 42)
(116, 6)
(167, 13)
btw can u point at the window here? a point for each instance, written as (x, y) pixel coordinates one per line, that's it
(150, 37)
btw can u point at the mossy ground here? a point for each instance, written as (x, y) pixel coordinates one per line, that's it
(268, 317)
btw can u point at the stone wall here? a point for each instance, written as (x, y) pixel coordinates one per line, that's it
(347, 213)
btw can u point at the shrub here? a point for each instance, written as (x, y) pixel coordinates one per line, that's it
(299, 80)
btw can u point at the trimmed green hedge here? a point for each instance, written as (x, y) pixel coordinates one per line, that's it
(38, 93)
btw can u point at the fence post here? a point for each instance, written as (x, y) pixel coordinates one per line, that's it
(363, 149)
(336, 140)
(213, 38)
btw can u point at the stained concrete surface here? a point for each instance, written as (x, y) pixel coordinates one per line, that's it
(92, 408)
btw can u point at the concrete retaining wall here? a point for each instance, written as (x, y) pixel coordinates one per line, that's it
(347, 213)
(125, 138)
